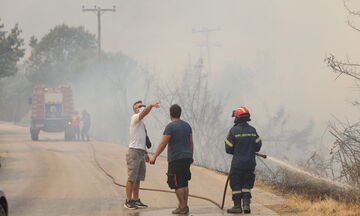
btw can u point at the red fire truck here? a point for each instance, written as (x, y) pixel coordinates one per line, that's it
(51, 111)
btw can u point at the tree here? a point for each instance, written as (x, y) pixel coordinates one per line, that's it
(14, 94)
(346, 148)
(59, 56)
(345, 67)
(10, 50)
(203, 110)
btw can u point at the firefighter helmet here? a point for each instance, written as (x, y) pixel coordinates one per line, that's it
(241, 112)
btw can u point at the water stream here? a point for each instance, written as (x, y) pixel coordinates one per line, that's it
(303, 172)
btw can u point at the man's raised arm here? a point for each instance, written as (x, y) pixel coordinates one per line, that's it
(148, 109)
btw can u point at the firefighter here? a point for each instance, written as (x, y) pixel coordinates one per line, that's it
(75, 123)
(242, 142)
(86, 120)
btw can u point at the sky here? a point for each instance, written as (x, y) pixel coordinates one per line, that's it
(281, 44)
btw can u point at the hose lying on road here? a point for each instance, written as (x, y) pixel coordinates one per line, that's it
(152, 189)
(224, 195)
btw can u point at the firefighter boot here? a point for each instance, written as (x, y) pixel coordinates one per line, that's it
(236, 208)
(246, 205)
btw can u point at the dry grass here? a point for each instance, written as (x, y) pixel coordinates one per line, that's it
(298, 204)
(326, 206)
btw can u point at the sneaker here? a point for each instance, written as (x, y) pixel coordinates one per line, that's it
(176, 211)
(184, 210)
(130, 204)
(139, 204)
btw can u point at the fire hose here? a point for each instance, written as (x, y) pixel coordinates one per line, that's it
(161, 190)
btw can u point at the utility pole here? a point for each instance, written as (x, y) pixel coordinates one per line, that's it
(99, 11)
(205, 31)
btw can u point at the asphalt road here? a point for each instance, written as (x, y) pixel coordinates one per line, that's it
(51, 177)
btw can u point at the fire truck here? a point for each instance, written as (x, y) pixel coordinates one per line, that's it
(51, 111)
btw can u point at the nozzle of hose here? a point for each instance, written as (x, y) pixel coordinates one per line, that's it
(261, 155)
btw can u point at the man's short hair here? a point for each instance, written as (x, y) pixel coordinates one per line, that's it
(137, 102)
(175, 111)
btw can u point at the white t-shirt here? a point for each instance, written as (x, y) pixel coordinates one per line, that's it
(137, 133)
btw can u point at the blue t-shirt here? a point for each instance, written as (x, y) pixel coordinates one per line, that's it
(179, 146)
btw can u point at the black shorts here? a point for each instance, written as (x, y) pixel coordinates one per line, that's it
(179, 173)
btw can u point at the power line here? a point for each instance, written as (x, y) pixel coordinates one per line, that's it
(206, 31)
(98, 11)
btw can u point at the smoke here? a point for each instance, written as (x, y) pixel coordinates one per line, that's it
(107, 91)
(268, 57)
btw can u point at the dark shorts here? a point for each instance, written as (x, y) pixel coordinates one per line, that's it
(179, 173)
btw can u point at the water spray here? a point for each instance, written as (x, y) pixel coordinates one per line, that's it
(301, 171)
(309, 174)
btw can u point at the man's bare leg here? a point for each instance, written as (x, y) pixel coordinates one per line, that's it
(186, 195)
(135, 190)
(129, 189)
(180, 194)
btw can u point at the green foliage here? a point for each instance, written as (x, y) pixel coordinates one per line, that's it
(59, 56)
(14, 94)
(10, 50)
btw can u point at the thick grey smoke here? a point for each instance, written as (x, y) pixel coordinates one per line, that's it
(268, 57)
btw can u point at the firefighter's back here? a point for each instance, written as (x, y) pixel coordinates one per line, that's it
(244, 149)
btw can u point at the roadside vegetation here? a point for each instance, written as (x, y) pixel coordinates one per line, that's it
(308, 201)
(331, 189)
(318, 196)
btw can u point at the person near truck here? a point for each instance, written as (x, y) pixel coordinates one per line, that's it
(242, 142)
(86, 122)
(178, 137)
(137, 155)
(75, 124)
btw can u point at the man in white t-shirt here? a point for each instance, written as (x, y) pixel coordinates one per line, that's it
(137, 155)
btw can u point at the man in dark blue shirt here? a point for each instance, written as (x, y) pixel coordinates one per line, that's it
(178, 137)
